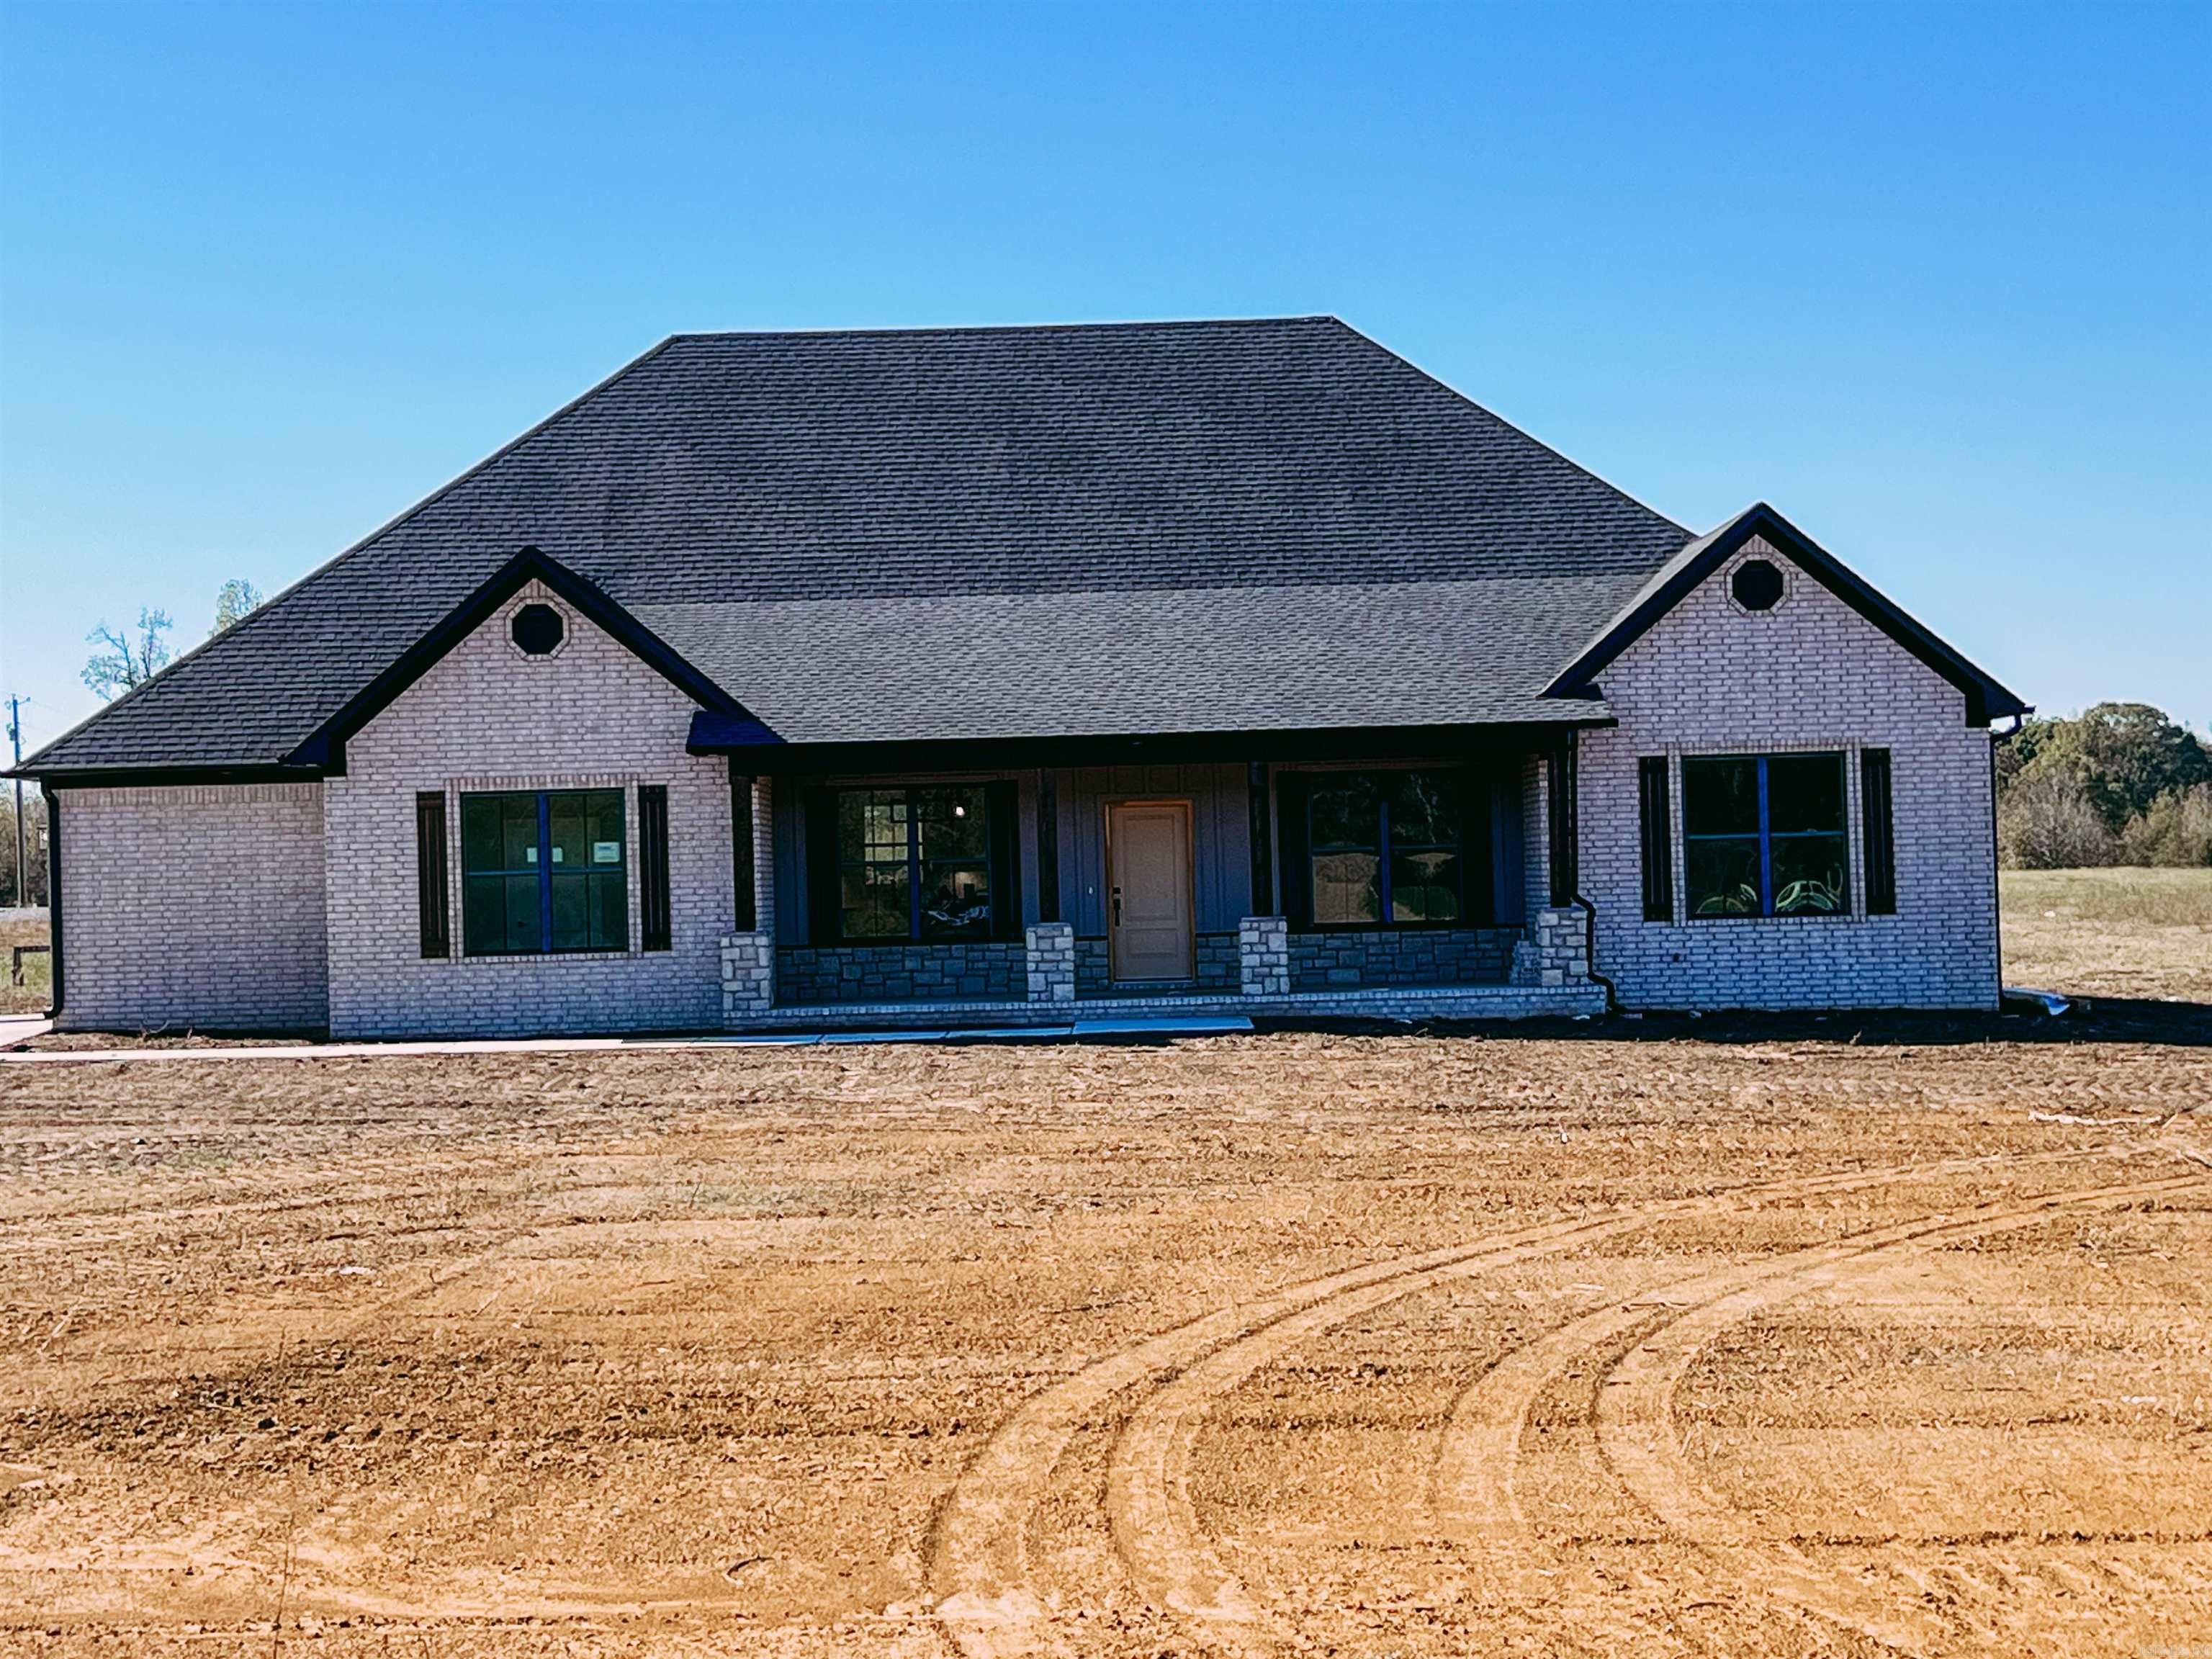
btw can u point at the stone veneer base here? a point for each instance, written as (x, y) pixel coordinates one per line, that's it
(1409, 1003)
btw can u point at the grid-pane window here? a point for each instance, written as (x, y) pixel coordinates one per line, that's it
(1764, 835)
(544, 871)
(915, 862)
(1386, 848)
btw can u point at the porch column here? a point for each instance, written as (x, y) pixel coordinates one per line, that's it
(748, 951)
(1047, 844)
(1555, 948)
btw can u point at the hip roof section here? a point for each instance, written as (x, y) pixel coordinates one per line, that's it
(1272, 522)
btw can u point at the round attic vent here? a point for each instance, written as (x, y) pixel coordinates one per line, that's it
(537, 630)
(1757, 584)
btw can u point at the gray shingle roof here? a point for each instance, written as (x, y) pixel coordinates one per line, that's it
(1129, 527)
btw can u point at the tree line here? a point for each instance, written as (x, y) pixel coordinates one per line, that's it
(2120, 784)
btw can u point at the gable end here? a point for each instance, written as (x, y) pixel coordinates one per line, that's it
(1986, 699)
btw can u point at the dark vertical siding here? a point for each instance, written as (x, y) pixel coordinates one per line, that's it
(744, 900)
(1565, 830)
(1220, 837)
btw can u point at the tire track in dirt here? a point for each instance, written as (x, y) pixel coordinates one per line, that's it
(1635, 1410)
(1478, 1487)
(980, 1570)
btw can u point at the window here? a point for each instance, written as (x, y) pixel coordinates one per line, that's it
(1763, 835)
(915, 862)
(537, 630)
(1387, 848)
(543, 872)
(1757, 584)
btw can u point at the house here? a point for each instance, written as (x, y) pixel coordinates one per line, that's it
(993, 674)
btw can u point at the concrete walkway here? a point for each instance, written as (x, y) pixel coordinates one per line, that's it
(1079, 1029)
(21, 1028)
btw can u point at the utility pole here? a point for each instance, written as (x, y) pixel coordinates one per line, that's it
(15, 737)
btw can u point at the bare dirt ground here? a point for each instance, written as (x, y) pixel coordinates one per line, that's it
(1817, 1338)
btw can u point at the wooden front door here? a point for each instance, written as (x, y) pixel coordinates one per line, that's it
(1148, 903)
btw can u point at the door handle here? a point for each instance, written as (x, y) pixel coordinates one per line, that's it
(1117, 906)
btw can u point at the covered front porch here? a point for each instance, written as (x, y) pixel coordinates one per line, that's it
(1395, 875)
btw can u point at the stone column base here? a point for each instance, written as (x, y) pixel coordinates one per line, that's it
(1050, 949)
(1263, 955)
(748, 974)
(1556, 949)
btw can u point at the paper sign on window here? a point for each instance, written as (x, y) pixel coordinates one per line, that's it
(530, 855)
(606, 852)
(558, 855)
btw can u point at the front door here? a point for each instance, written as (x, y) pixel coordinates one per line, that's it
(1148, 904)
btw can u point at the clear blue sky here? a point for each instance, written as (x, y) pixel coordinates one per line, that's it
(1932, 279)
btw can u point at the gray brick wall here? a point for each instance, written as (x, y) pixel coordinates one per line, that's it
(1811, 674)
(199, 907)
(811, 974)
(484, 718)
(1384, 956)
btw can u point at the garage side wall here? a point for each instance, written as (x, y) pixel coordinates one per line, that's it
(1710, 678)
(488, 718)
(197, 907)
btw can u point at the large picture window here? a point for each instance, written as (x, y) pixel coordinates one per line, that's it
(545, 871)
(1763, 835)
(1388, 848)
(915, 862)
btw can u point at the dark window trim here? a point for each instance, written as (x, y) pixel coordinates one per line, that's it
(998, 861)
(1474, 914)
(1768, 837)
(544, 871)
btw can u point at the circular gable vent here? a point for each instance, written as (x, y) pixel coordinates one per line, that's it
(1757, 584)
(537, 630)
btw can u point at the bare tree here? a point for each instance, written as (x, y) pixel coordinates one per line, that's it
(123, 666)
(236, 599)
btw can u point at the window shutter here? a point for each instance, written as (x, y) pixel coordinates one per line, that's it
(1291, 835)
(1878, 825)
(1566, 839)
(1658, 837)
(822, 885)
(745, 904)
(1478, 894)
(1002, 815)
(658, 920)
(433, 893)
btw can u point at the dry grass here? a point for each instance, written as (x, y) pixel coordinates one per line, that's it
(1781, 1345)
(32, 995)
(2122, 933)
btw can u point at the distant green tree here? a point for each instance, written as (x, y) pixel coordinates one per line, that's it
(236, 599)
(2127, 756)
(128, 663)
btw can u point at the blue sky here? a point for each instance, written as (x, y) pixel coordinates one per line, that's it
(1933, 280)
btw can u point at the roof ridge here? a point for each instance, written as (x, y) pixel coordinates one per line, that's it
(1103, 326)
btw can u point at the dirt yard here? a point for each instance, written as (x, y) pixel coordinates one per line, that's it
(1813, 1339)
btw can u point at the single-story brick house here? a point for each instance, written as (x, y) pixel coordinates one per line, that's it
(982, 675)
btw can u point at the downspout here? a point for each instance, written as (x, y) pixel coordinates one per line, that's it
(1589, 952)
(1568, 782)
